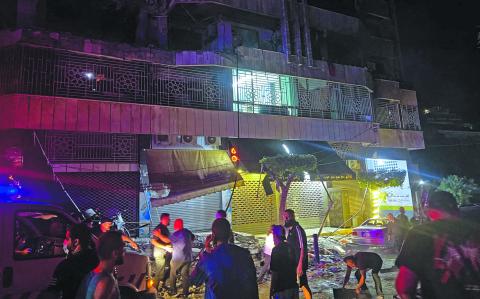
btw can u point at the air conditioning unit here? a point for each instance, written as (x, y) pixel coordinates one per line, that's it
(160, 141)
(212, 140)
(188, 139)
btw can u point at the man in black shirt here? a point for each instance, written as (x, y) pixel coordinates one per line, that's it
(443, 255)
(400, 228)
(364, 261)
(283, 266)
(162, 250)
(82, 259)
(297, 238)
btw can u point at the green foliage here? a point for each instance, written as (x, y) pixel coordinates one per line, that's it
(460, 187)
(381, 179)
(284, 165)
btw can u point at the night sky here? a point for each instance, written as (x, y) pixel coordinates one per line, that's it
(440, 59)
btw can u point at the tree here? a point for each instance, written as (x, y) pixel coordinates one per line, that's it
(460, 187)
(284, 169)
(373, 181)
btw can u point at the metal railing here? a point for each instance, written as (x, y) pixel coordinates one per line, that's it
(393, 115)
(54, 72)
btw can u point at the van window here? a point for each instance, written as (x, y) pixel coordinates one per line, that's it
(39, 234)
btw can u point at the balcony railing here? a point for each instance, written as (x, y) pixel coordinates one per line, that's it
(392, 115)
(53, 72)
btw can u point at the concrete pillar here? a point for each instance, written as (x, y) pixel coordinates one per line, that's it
(323, 45)
(307, 40)
(30, 13)
(296, 31)
(285, 30)
(159, 32)
(225, 38)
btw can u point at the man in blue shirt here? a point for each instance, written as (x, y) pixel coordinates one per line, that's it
(228, 270)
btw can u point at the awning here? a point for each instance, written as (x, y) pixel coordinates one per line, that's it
(181, 174)
(330, 167)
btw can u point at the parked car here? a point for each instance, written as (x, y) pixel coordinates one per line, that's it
(371, 232)
(32, 246)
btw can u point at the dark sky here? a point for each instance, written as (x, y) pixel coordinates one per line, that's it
(439, 56)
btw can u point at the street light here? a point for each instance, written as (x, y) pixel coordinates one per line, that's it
(285, 147)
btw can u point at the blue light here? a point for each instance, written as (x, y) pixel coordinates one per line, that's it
(9, 190)
(10, 187)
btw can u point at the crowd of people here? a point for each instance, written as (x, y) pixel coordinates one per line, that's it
(442, 255)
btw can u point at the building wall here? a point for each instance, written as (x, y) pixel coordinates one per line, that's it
(349, 200)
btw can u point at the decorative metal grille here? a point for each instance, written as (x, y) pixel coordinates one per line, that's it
(55, 72)
(267, 93)
(331, 100)
(388, 114)
(190, 87)
(346, 150)
(410, 118)
(250, 205)
(65, 147)
(385, 165)
(308, 200)
(10, 59)
(94, 77)
(107, 192)
(254, 213)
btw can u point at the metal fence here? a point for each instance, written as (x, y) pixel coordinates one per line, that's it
(54, 72)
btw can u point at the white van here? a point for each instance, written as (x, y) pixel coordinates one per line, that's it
(31, 246)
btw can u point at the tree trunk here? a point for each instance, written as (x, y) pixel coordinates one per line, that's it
(283, 202)
(283, 196)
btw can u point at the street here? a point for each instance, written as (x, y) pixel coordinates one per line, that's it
(329, 273)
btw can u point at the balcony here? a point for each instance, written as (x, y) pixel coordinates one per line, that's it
(58, 73)
(396, 108)
(394, 115)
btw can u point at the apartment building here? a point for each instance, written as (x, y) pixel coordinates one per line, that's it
(136, 105)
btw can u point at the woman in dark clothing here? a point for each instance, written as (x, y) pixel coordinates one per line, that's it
(283, 267)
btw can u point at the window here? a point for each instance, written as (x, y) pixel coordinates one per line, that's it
(39, 234)
(265, 93)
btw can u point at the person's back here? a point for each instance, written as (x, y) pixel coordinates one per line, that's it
(445, 257)
(367, 260)
(228, 270)
(283, 266)
(231, 273)
(90, 286)
(182, 242)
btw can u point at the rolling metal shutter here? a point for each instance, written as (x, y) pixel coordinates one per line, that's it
(108, 192)
(197, 213)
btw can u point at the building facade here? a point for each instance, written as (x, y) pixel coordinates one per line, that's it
(109, 111)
